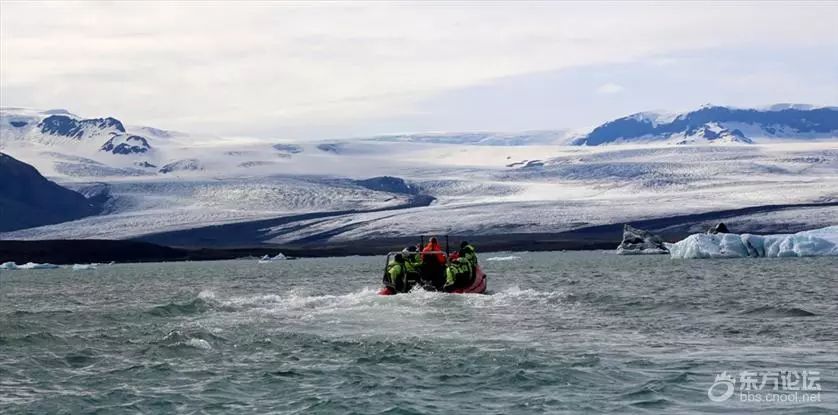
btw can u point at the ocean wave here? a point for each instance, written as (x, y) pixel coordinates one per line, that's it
(779, 311)
(18, 313)
(31, 339)
(301, 301)
(415, 302)
(82, 358)
(196, 306)
(515, 295)
(189, 338)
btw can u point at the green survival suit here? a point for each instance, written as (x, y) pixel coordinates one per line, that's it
(468, 252)
(458, 274)
(462, 271)
(396, 274)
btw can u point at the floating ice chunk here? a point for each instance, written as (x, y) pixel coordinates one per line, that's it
(35, 265)
(84, 267)
(638, 241)
(199, 344)
(8, 265)
(818, 242)
(267, 258)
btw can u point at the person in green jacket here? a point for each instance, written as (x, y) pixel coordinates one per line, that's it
(396, 275)
(468, 252)
(412, 260)
(458, 274)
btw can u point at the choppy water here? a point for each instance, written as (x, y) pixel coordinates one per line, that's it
(560, 333)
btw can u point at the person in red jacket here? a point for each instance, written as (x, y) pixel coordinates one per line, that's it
(433, 264)
(433, 246)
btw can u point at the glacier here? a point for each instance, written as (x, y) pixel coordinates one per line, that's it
(481, 183)
(818, 242)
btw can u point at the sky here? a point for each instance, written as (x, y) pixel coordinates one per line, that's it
(318, 70)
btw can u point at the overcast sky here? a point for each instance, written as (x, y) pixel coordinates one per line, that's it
(320, 70)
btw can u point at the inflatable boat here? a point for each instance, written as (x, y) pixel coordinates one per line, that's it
(476, 285)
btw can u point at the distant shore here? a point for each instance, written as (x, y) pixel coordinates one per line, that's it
(587, 238)
(84, 251)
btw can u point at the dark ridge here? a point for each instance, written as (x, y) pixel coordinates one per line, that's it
(28, 199)
(133, 144)
(388, 184)
(288, 148)
(330, 147)
(182, 165)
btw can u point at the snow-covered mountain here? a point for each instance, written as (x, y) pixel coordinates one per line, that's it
(717, 124)
(481, 183)
(61, 127)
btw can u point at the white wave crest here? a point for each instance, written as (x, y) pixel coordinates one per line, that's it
(198, 344)
(206, 295)
(503, 258)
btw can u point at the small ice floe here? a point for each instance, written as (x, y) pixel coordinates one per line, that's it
(84, 267)
(267, 258)
(818, 242)
(638, 241)
(28, 265)
(503, 258)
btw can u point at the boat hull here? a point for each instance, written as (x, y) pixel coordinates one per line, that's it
(478, 286)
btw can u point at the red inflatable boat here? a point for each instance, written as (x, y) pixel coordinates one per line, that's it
(477, 286)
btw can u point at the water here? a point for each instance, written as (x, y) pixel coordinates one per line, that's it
(560, 333)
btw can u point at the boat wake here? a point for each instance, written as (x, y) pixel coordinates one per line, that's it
(307, 304)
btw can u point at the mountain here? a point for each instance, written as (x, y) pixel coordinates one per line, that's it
(52, 127)
(126, 144)
(27, 199)
(717, 124)
(157, 182)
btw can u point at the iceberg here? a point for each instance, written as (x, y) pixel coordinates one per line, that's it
(35, 265)
(29, 265)
(268, 259)
(84, 267)
(818, 242)
(637, 241)
(8, 265)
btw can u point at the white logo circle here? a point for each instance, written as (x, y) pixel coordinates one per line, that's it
(723, 397)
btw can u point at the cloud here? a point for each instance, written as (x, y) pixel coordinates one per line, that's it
(274, 66)
(609, 88)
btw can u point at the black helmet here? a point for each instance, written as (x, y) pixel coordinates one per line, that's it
(399, 258)
(410, 249)
(464, 244)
